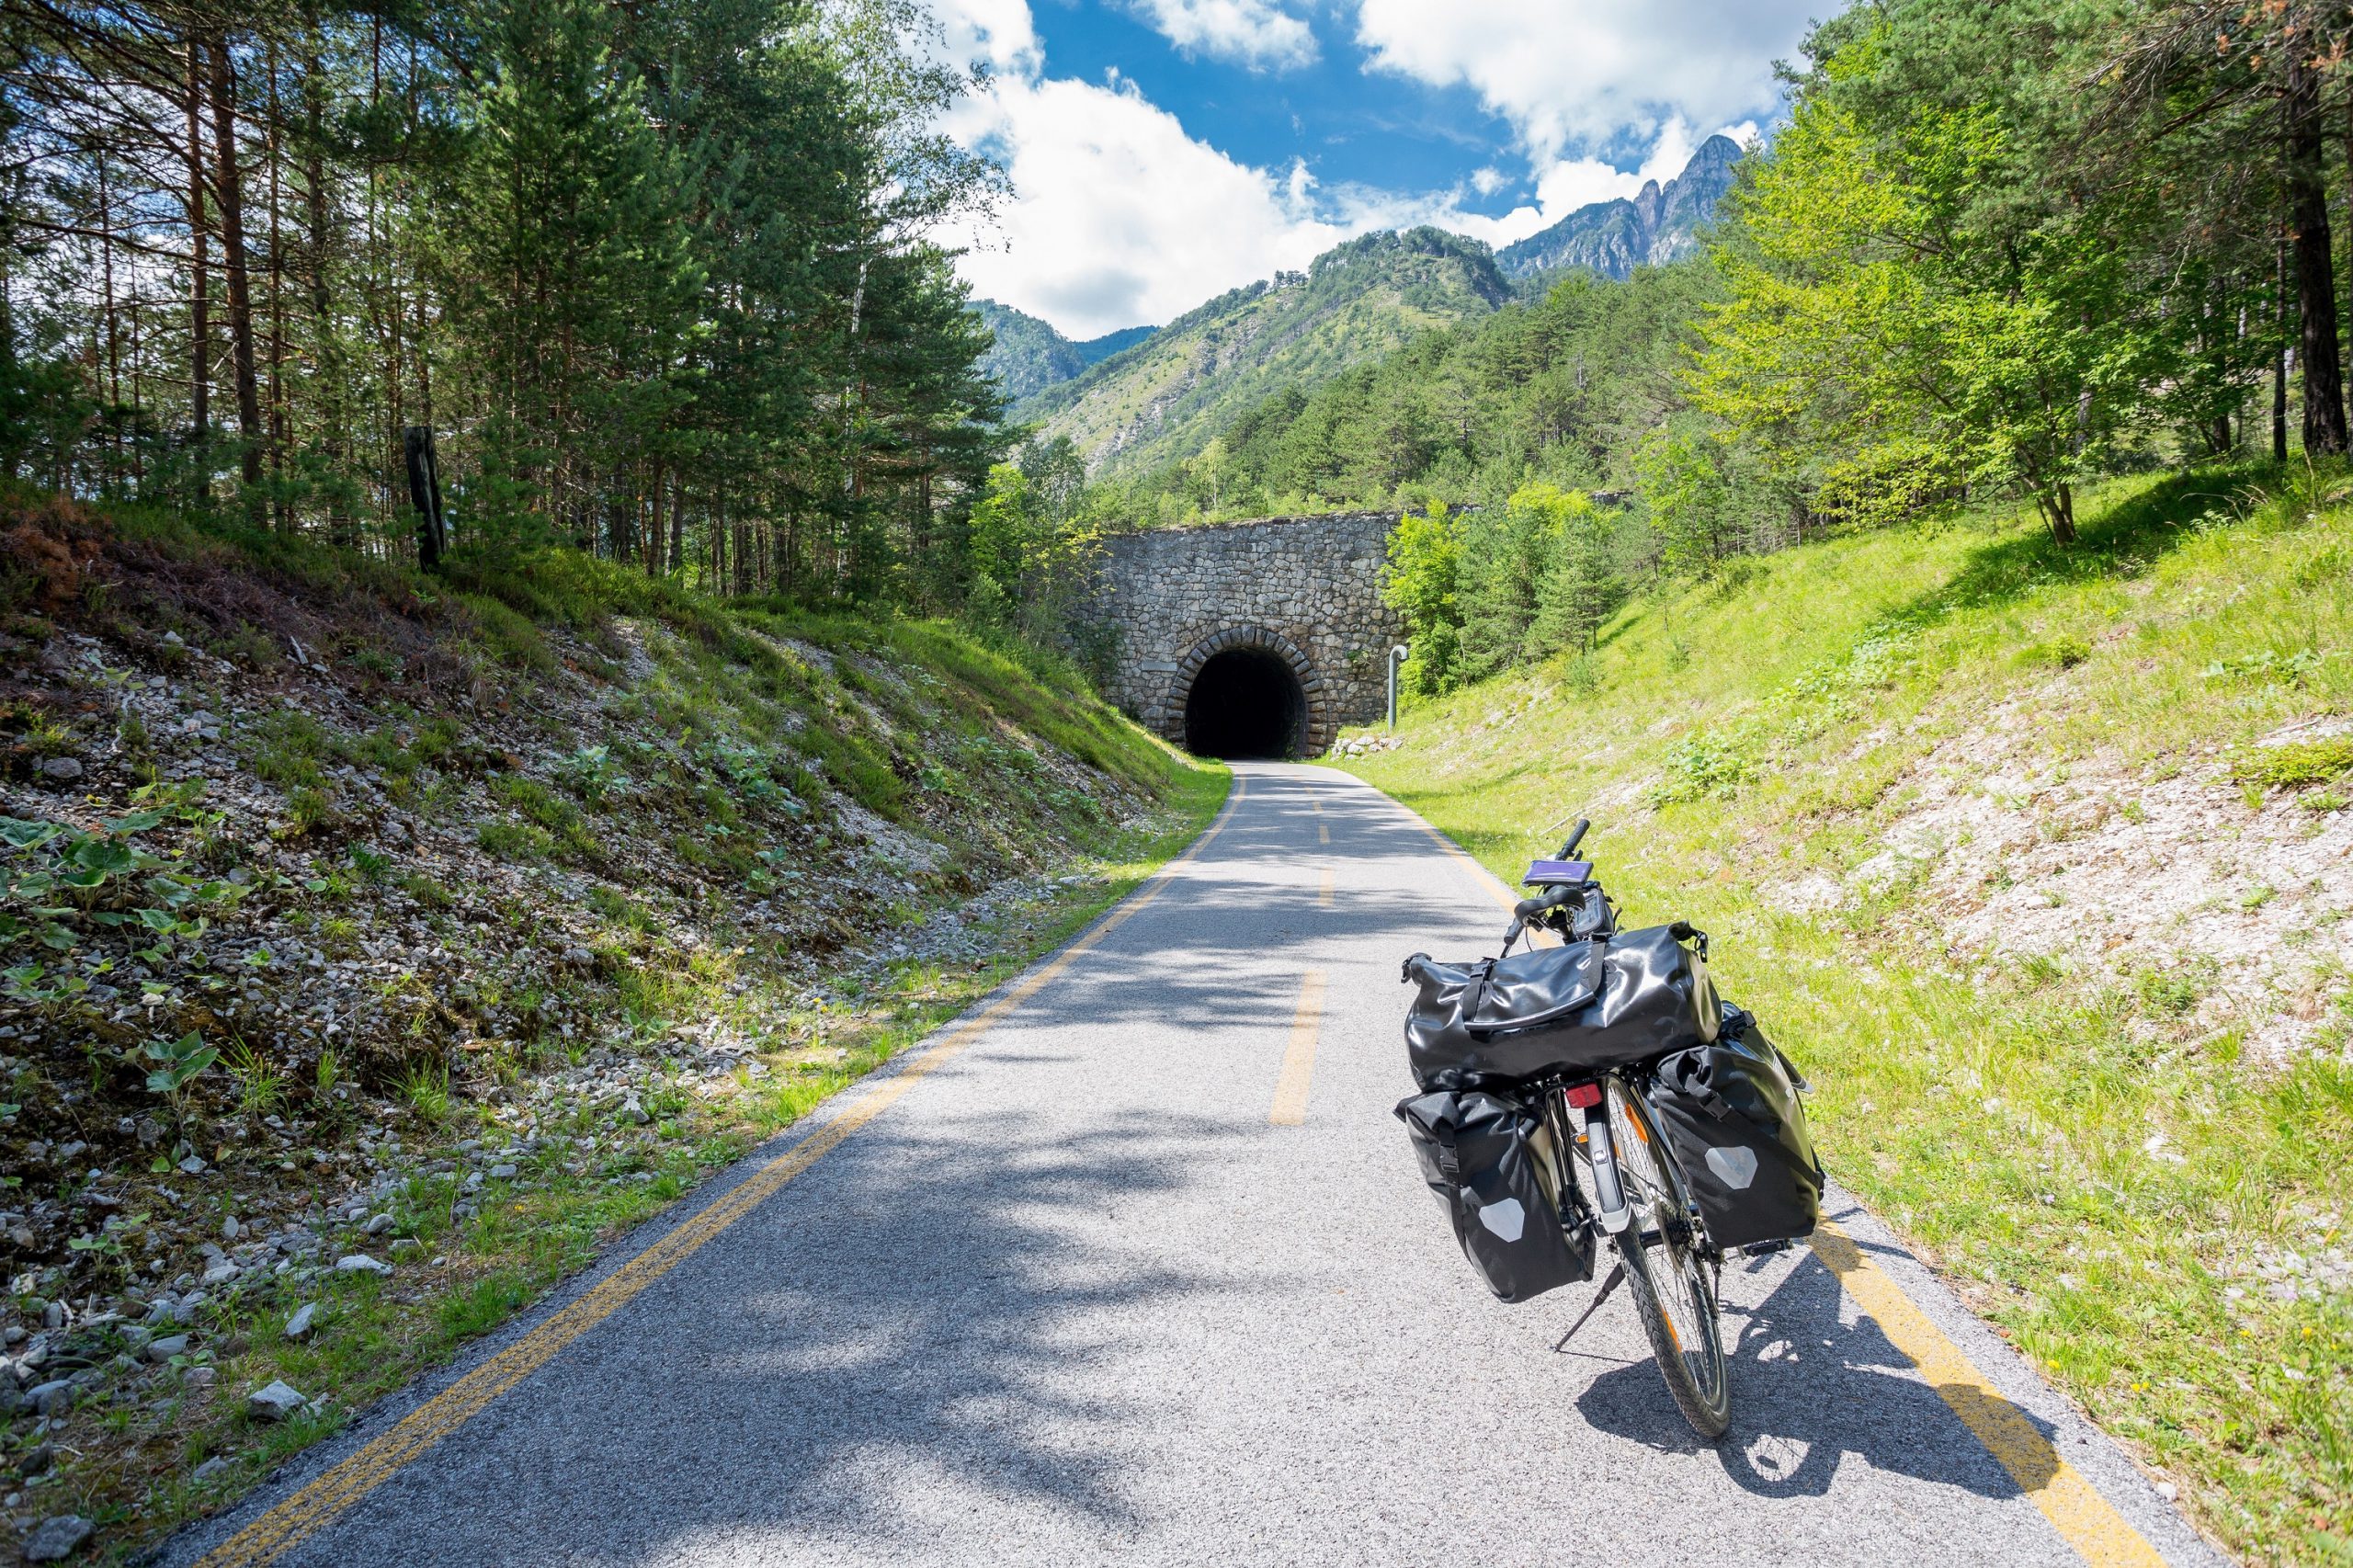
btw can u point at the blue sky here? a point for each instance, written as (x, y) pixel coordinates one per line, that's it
(1162, 151)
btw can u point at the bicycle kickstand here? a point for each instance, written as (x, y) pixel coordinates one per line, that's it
(1617, 1278)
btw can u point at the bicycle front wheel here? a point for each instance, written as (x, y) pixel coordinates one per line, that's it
(1670, 1278)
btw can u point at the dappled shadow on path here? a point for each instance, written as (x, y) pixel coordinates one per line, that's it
(918, 1313)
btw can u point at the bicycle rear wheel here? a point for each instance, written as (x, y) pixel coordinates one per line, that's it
(1674, 1293)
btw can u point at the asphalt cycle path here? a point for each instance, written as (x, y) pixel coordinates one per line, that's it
(1135, 1264)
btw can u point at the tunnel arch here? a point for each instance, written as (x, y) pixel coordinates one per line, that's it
(1235, 648)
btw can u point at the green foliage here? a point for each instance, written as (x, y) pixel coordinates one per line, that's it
(1538, 578)
(1421, 581)
(1028, 549)
(1562, 389)
(2297, 764)
(659, 271)
(173, 1064)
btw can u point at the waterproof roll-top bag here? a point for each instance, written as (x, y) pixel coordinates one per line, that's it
(1730, 1111)
(1579, 1007)
(1491, 1163)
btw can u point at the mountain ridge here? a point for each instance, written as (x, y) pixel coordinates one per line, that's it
(1169, 392)
(1652, 227)
(1031, 354)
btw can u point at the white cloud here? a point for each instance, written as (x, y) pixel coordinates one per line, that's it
(997, 33)
(1118, 216)
(1251, 32)
(1583, 74)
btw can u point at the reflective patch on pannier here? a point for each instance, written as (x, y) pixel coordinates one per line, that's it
(1506, 1219)
(1734, 1167)
(1489, 1161)
(1732, 1114)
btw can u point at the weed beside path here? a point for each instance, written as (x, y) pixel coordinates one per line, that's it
(2041, 864)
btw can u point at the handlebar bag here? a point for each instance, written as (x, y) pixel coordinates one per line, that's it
(1581, 1006)
(1491, 1162)
(1733, 1115)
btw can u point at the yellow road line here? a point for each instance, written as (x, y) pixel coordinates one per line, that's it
(1323, 833)
(1323, 893)
(2075, 1508)
(323, 1500)
(1299, 1060)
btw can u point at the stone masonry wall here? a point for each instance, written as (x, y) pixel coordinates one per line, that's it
(1306, 589)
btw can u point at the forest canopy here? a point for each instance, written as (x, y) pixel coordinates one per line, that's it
(654, 275)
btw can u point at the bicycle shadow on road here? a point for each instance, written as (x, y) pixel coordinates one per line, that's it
(1812, 1382)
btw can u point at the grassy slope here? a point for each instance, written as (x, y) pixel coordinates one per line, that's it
(1878, 770)
(1169, 395)
(604, 881)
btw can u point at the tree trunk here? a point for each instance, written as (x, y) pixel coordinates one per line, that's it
(2324, 434)
(276, 304)
(229, 185)
(200, 308)
(2058, 511)
(678, 522)
(2279, 358)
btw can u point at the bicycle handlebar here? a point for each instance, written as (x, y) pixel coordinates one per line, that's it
(1529, 908)
(1570, 848)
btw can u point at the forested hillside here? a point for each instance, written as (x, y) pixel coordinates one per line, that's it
(1566, 388)
(651, 275)
(1028, 356)
(1172, 395)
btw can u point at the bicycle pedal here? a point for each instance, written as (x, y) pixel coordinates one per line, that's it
(1765, 1249)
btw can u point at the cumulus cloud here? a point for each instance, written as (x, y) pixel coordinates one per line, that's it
(1585, 74)
(1120, 217)
(1249, 32)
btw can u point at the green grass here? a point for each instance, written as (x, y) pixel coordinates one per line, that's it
(2086, 1151)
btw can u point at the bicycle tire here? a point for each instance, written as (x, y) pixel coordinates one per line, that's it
(1697, 1375)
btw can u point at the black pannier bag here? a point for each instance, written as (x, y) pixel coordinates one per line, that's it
(1578, 1008)
(1490, 1162)
(1732, 1113)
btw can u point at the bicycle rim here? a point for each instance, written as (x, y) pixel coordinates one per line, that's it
(1669, 1278)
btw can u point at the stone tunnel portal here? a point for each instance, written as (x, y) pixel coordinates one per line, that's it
(1246, 702)
(1251, 639)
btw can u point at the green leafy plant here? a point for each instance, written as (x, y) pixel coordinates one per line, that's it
(173, 1064)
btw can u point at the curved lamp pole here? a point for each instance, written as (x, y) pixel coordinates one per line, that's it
(1396, 657)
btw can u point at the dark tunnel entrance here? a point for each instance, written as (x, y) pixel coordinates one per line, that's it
(1246, 702)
